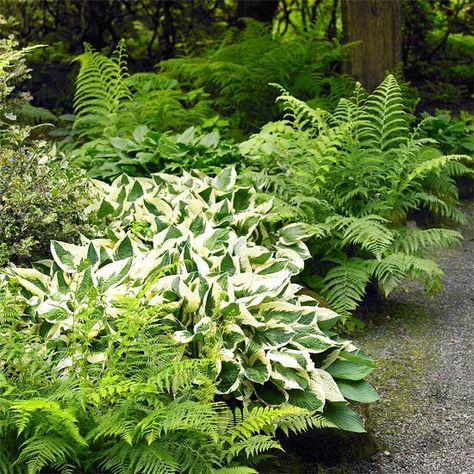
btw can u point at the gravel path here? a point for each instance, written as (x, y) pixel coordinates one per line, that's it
(424, 422)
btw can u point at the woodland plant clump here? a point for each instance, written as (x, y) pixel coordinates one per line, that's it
(358, 174)
(188, 299)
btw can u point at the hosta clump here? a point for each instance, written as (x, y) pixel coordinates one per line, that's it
(143, 407)
(201, 248)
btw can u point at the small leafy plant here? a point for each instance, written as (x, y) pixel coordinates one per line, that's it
(148, 151)
(41, 197)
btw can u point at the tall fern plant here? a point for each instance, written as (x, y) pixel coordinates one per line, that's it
(101, 90)
(236, 72)
(108, 101)
(358, 174)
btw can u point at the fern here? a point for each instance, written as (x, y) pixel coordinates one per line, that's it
(361, 172)
(101, 90)
(384, 120)
(344, 285)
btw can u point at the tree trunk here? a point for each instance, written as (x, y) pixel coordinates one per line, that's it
(377, 23)
(261, 10)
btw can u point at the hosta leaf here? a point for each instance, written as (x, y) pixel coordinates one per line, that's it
(270, 394)
(217, 239)
(228, 379)
(105, 209)
(314, 343)
(113, 273)
(33, 280)
(226, 179)
(294, 233)
(274, 337)
(343, 417)
(292, 379)
(323, 383)
(280, 312)
(358, 390)
(343, 369)
(66, 255)
(123, 249)
(258, 372)
(305, 399)
(291, 359)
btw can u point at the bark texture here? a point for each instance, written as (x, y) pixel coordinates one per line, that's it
(377, 24)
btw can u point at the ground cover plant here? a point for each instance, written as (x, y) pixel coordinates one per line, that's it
(358, 173)
(132, 335)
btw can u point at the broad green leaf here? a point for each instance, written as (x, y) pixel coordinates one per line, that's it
(226, 179)
(66, 255)
(305, 399)
(343, 417)
(113, 273)
(343, 369)
(358, 390)
(258, 372)
(293, 233)
(228, 379)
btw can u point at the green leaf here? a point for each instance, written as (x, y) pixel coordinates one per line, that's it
(343, 417)
(294, 233)
(358, 390)
(124, 249)
(347, 370)
(63, 255)
(226, 179)
(270, 394)
(113, 273)
(258, 372)
(228, 379)
(305, 399)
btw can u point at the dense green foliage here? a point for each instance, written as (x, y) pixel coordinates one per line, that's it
(123, 123)
(124, 337)
(41, 197)
(452, 135)
(185, 310)
(236, 72)
(358, 173)
(141, 408)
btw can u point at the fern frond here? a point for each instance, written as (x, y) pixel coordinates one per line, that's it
(413, 241)
(101, 90)
(255, 445)
(383, 119)
(46, 450)
(370, 232)
(344, 285)
(392, 269)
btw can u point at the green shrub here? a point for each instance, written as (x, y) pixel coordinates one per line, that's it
(358, 173)
(41, 197)
(452, 135)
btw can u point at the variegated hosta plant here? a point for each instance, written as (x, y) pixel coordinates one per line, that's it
(200, 248)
